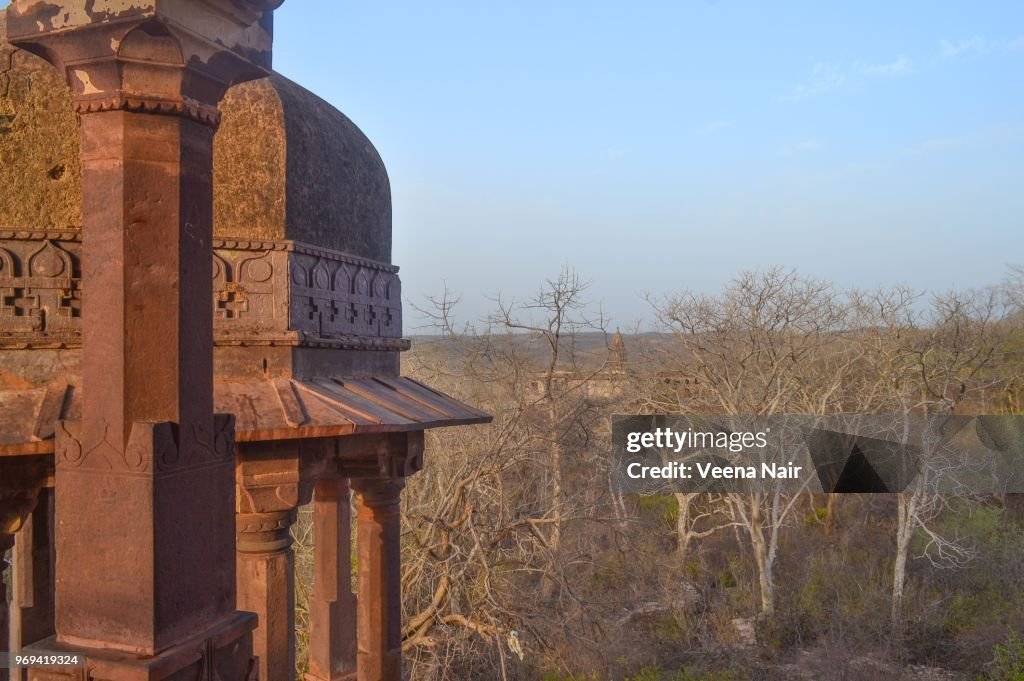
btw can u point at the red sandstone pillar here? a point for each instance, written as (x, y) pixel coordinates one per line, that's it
(380, 587)
(332, 641)
(266, 586)
(273, 480)
(145, 481)
(146, 475)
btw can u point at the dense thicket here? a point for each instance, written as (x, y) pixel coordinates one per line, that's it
(522, 561)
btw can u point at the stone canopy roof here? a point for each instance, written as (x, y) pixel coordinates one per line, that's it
(287, 165)
(269, 409)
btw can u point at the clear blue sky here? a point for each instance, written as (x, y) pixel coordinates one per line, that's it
(665, 145)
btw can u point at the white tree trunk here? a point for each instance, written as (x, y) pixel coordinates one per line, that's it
(904, 533)
(761, 557)
(548, 584)
(683, 524)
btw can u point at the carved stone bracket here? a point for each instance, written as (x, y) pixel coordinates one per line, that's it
(15, 507)
(279, 476)
(20, 483)
(386, 456)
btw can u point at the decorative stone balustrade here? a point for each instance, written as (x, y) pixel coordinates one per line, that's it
(264, 293)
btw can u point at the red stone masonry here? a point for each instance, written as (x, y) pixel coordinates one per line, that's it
(168, 401)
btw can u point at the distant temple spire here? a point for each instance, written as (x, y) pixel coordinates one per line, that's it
(617, 353)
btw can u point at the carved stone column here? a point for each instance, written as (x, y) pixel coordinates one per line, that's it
(378, 466)
(266, 586)
(274, 479)
(332, 641)
(145, 481)
(20, 482)
(6, 542)
(32, 607)
(379, 542)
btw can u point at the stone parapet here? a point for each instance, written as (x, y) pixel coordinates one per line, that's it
(265, 293)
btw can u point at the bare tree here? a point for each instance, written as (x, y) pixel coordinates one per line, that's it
(759, 349)
(699, 515)
(933, 363)
(553, 317)
(487, 560)
(1013, 286)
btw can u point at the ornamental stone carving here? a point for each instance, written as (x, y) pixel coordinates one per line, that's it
(264, 293)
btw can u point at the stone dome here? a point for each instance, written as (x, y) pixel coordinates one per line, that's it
(287, 165)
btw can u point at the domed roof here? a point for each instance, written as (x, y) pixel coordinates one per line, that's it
(287, 165)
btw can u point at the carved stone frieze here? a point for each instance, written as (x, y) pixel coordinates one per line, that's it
(40, 288)
(339, 296)
(150, 446)
(285, 292)
(250, 293)
(187, 108)
(265, 293)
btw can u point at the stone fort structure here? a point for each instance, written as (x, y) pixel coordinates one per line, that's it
(200, 332)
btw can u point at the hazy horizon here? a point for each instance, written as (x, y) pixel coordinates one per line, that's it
(670, 145)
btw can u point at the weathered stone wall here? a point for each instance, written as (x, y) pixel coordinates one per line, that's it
(40, 167)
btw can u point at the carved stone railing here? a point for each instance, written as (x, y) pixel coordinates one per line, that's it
(40, 289)
(265, 293)
(290, 292)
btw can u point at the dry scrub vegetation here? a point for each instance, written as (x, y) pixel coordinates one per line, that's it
(522, 561)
